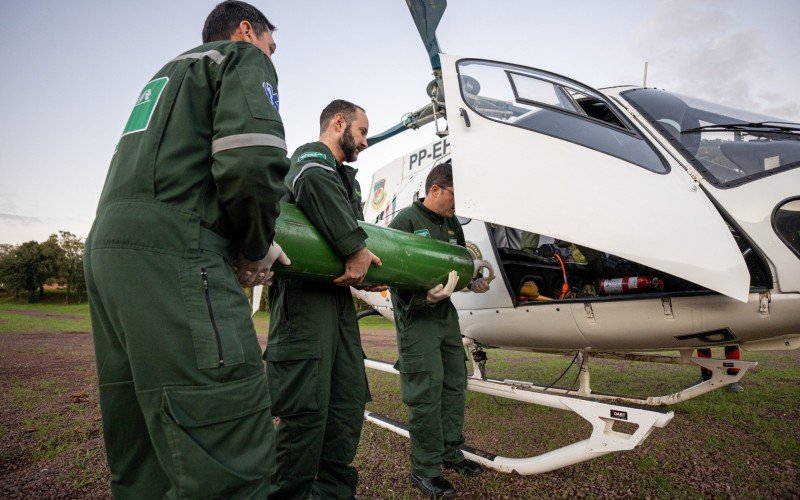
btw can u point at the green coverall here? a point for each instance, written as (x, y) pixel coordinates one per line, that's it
(433, 374)
(197, 175)
(314, 358)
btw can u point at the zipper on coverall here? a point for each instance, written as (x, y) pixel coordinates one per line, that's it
(204, 275)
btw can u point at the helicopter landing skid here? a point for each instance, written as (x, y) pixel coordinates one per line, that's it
(602, 416)
(724, 372)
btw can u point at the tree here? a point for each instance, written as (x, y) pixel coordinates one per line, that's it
(70, 265)
(52, 256)
(5, 266)
(23, 269)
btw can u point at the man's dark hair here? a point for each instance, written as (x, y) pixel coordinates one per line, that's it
(441, 175)
(346, 108)
(226, 16)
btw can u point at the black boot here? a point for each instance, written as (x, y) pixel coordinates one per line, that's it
(435, 487)
(467, 467)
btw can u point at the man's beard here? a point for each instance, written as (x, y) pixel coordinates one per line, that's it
(348, 145)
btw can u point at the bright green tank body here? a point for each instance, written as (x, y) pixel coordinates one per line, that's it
(409, 261)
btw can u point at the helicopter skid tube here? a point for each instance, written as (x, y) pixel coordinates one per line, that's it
(720, 378)
(602, 416)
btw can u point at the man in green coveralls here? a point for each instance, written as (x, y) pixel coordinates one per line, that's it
(314, 359)
(193, 188)
(433, 375)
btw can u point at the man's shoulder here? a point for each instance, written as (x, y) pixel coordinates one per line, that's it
(313, 152)
(404, 218)
(404, 213)
(227, 52)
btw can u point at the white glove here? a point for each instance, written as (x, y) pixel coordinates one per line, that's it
(275, 253)
(441, 292)
(480, 285)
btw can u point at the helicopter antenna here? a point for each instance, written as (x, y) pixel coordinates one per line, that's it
(644, 83)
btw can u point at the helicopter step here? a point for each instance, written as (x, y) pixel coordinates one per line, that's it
(602, 416)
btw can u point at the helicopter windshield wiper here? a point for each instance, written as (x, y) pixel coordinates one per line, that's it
(775, 127)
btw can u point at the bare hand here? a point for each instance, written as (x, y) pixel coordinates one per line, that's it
(250, 273)
(356, 267)
(374, 288)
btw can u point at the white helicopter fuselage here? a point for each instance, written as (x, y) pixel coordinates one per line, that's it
(673, 220)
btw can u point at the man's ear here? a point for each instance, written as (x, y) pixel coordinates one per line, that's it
(244, 32)
(339, 123)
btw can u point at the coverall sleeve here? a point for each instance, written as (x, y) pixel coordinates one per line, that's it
(324, 201)
(248, 148)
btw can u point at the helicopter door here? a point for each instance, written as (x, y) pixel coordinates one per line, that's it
(546, 154)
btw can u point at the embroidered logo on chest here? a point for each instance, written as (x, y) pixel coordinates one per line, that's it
(423, 232)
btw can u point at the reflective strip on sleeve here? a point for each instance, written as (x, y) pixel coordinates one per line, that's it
(306, 167)
(214, 55)
(246, 140)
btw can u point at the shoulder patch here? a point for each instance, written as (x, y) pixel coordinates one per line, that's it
(312, 154)
(142, 112)
(272, 95)
(423, 232)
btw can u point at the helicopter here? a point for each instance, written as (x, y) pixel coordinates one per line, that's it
(663, 223)
(690, 210)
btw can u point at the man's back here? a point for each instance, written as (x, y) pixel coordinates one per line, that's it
(203, 145)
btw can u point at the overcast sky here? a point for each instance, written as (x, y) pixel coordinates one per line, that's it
(73, 70)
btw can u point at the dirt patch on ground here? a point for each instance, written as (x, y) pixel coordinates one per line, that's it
(378, 339)
(51, 443)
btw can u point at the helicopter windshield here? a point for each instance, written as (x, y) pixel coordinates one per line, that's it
(728, 146)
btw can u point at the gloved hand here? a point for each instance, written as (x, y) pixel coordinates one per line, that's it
(441, 292)
(251, 273)
(480, 285)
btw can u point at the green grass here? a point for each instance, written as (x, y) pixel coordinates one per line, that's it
(748, 438)
(44, 317)
(54, 431)
(261, 322)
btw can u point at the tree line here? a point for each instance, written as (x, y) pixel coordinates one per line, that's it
(25, 269)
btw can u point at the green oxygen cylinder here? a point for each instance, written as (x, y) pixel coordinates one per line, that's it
(408, 260)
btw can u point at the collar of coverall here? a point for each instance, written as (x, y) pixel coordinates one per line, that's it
(332, 161)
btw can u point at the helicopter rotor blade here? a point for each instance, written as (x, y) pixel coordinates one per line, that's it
(375, 139)
(427, 14)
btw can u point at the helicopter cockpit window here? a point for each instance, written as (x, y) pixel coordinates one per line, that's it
(727, 146)
(549, 104)
(786, 221)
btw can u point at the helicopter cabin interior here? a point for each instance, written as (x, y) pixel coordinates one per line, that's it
(561, 271)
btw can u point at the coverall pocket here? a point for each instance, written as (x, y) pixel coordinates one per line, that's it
(219, 436)
(208, 288)
(415, 378)
(258, 93)
(293, 374)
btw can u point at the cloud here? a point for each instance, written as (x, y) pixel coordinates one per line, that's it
(697, 48)
(20, 219)
(7, 202)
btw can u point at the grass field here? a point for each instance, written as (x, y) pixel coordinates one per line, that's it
(721, 445)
